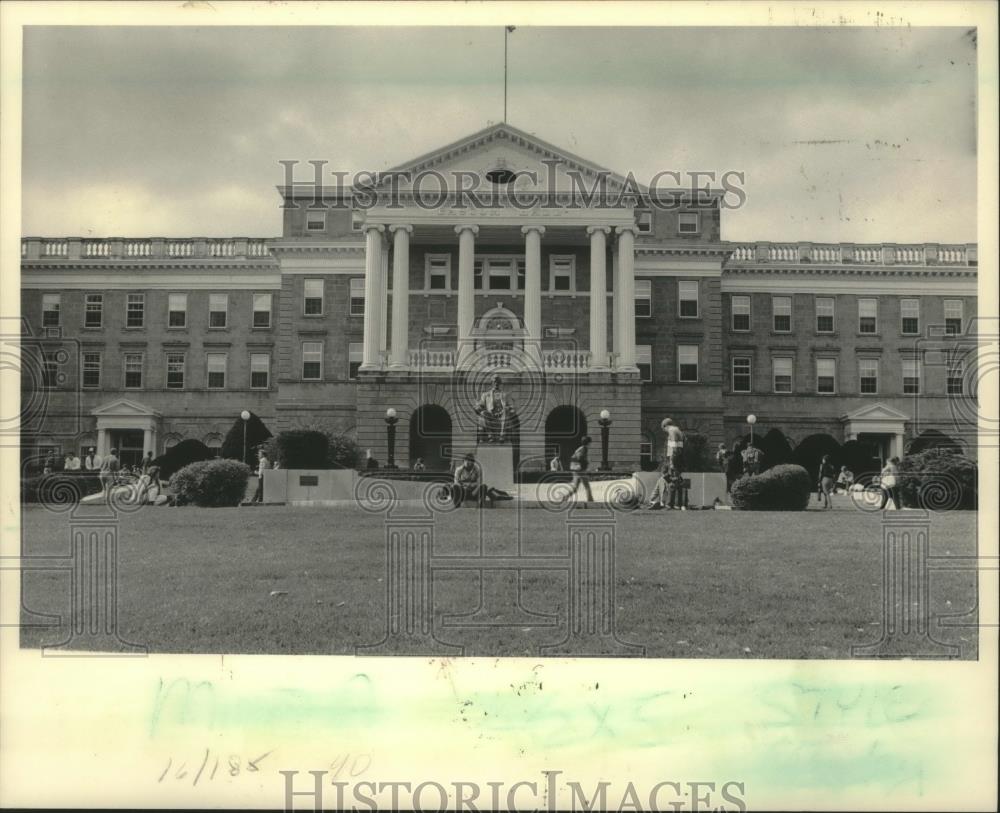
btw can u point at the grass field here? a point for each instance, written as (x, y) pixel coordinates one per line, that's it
(312, 581)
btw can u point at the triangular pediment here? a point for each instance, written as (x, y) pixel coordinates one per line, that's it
(876, 412)
(504, 146)
(123, 407)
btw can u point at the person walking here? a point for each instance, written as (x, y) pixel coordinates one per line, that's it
(263, 464)
(722, 458)
(827, 471)
(555, 464)
(578, 464)
(109, 472)
(734, 465)
(889, 483)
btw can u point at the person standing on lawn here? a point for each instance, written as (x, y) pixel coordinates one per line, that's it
(263, 464)
(827, 471)
(678, 492)
(734, 466)
(889, 483)
(578, 464)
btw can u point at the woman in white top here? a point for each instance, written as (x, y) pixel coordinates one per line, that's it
(889, 482)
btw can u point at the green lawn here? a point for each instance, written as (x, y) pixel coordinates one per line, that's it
(312, 580)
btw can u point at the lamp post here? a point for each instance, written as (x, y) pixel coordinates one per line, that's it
(751, 420)
(605, 423)
(246, 417)
(390, 429)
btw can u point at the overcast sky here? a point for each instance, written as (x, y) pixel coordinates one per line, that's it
(844, 134)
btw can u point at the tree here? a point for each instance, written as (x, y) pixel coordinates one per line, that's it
(257, 433)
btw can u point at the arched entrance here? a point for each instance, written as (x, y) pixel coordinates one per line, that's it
(565, 427)
(430, 437)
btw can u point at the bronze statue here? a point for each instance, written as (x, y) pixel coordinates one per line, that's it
(494, 408)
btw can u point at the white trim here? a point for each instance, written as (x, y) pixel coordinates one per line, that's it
(553, 271)
(127, 280)
(732, 373)
(427, 272)
(849, 285)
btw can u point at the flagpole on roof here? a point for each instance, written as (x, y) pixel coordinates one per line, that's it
(506, 31)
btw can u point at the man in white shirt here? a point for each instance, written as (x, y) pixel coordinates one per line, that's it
(72, 462)
(263, 464)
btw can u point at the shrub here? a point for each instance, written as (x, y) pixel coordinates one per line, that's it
(343, 452)
(697, 456)
(939, 480)
(211, 483)
(302, 449)
(179, 456)
(781, 488)
(232, 444)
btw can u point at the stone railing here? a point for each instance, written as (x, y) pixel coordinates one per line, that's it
(153, 248)
(855, 253)
(445, 360)
(432, 360)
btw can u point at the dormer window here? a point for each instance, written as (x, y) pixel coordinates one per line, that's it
(316, 221)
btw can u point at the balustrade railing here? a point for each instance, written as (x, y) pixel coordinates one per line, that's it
(37, 248)
(929, 254)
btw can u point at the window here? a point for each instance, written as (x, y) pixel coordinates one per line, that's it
(175, 371)
(868, 376)
(135, 310)
(911, 376)
(133, 371)
(260, 371)
(439, 272)
(312, 302)
(93, 310)
(91, 371)
(826, 376)
(781, 369)
(687, 223)
(177, 310)
(643, 298)
(644, 221)
(357, 296)
(355, 353)
(824, 314)
(953, 317)
(687, 363)
(218, 310)
(868, 316)
(646, 452)
(216, 371)
(315, 220)
(741, 373)
(644, 361)
(909, 317)
(499, 275)
(741, 312)
(312, 361)
(781, 309)
(687, 299)
(562, 273)
(262, 310)
(50, 309)
(357, 221)
(956, 373)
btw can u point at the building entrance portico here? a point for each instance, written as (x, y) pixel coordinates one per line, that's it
(127, 426)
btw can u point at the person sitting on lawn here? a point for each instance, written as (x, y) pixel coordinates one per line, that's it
(845, 479)
(658, 501)
(468, 483)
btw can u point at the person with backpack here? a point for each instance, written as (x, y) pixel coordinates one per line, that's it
(578, 464)
(752, 460)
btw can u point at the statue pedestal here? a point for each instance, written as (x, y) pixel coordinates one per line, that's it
(497, 463)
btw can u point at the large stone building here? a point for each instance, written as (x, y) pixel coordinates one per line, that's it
(582, 303)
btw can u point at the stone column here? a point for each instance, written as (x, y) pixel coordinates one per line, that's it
(466, 288)
(147, 442)
(374, 292)
(598, 297)
(400, 357)
(102, 442)
(625, 297)
(533, 290)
